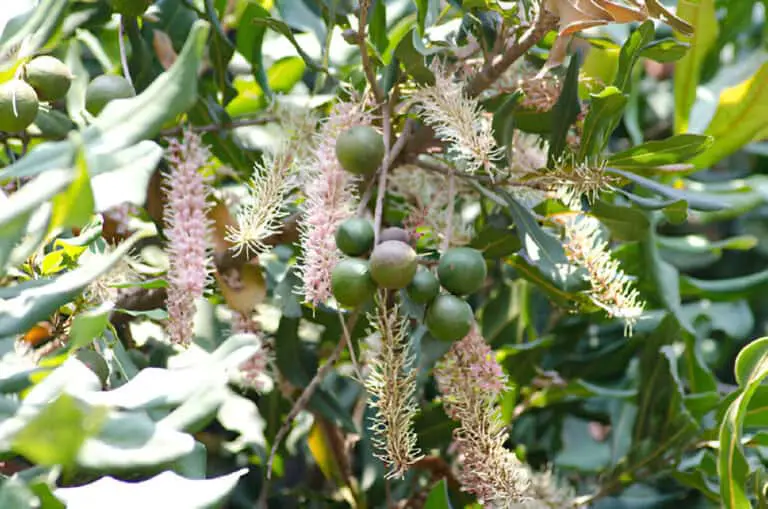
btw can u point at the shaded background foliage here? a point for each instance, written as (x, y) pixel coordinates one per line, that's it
(674, 414)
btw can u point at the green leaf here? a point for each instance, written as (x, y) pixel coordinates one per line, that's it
(428, 12)
(726, 288)
(665, 278)
(220, 52)
(665, 50)
(249, 41)
(438, 497)
(744, 105)
(377, 26)
(541, 248)
(191, 493)
(626, 223)
(751, 369)
(671, 151)
(74, 206)
(56, 434)
(701, 15)
(630, 54)
(565, 111)
(88, 325)
(283, 29)
(25, 304)
(37, 29)
(603, 117)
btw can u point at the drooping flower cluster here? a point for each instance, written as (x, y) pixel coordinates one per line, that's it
(391, 385)
(261, 212)
(471, 381)
(610, 288)
(458, 120)
(330, 199)
(187, 230)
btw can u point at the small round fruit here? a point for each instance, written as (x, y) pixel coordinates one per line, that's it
(95, 363)
(394, 233)
(393, 264)
(424, 286)
(133, 8)
(49, 76)
(448, 318)
(18, 106)
(351, 282)
(462, 270)
(360, 150)
(106, 88)
(354, 237)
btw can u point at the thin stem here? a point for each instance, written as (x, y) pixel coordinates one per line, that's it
(382, 187)
(352, 356)
(449, 212)
(545, 22)
(378, 93)
(301, 404)
(123, 53)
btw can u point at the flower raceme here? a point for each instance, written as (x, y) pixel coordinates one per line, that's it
(391, 385)
(330, 199)
(187, 232)
(610, 288)
(471, 381)
(458, 120)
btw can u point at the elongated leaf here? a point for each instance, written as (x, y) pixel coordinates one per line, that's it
(565, 110)
(630, 53)
(191, 493)
(38, 28)
(283, 29)
(751, 369)
(725, 289)
(674, 150)
(604, 114)
(744, 105)
(540, 247)
(701, 15)
(74, 206)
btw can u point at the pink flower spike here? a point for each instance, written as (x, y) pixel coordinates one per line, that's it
(330, 199)
(187, 230)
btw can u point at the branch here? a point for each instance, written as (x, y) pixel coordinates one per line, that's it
(301, 403)
(545, 22)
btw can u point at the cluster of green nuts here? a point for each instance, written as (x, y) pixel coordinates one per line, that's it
(393, 264)
(46, 78)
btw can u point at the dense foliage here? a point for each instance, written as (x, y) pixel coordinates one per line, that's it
(383, 253)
